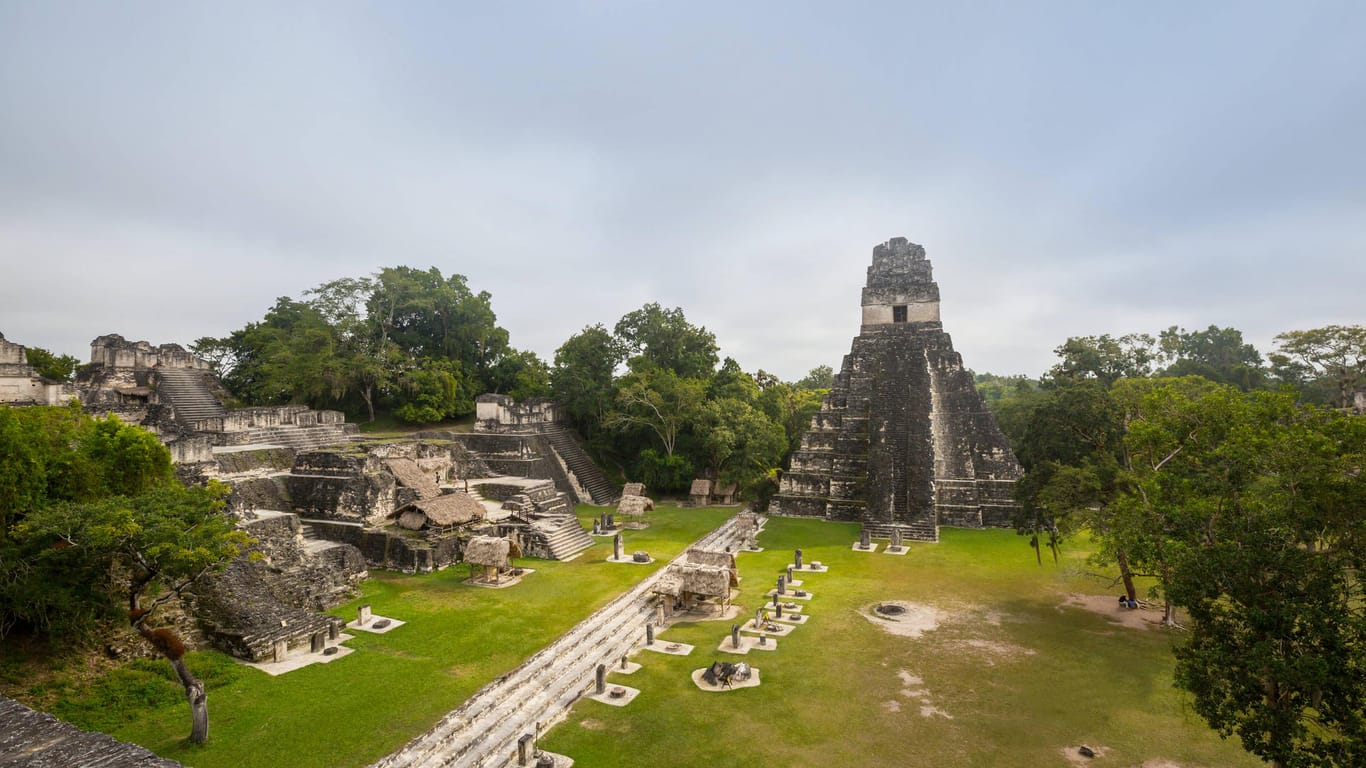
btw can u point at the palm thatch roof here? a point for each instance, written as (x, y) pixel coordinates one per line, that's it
(410, 475)
(696, 579)
(450, 509)
(670, 584)
(634, 505)
(708, 557)
(746, 522)
(490, 551)
(633, 489)
(700, 487)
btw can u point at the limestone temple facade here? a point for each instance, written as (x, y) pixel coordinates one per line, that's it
(903, 439)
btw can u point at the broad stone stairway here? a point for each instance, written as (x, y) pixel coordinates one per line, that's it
(483, 732)
(564, 536)
(188, 394)
(585, 471)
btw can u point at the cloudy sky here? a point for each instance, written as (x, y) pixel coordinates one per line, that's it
(168, 169)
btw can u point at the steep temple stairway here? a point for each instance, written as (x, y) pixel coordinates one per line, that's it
(188, 394)
(590, 478)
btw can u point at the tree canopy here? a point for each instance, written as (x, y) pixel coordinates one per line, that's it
(418, 344)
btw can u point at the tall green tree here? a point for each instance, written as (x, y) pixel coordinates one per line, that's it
(50, 366)
(659, 401)
(1268, 569)
(582, 379)
(1218, 354)
(1335, 352)
(654, 337)
(1104, 358)
(166, 540)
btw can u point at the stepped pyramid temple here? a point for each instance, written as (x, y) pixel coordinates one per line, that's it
(903, 439)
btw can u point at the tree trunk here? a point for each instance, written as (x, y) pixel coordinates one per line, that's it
(195, 694)
(1126, 574)
(198, 699)
(1169, 614)
(367, 393)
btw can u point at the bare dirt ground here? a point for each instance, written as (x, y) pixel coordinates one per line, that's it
(916, 621)
(1108, 606)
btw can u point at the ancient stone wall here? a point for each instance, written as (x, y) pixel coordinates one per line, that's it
(500, 413)
(114, 351)
(258, 601)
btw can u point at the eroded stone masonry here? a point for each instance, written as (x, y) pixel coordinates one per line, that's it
(903, 440)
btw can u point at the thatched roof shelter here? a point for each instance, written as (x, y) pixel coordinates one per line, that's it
(708, 557)
(633, 489)
(704, 581)
(441, 512)
(491, 551)
(700, 487)
(634, 505)
(724, 492)
(410, 475)
(670, 584)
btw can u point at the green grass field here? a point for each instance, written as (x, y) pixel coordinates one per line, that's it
(1012, 678)
(357, 709)
(1008, 678)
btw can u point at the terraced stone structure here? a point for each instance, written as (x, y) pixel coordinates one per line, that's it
(903, 439)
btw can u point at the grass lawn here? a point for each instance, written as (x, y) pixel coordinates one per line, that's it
(1009, 678)
(359, 708)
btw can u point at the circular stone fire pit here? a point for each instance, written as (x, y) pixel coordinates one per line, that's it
(889, 609)
(617, 692)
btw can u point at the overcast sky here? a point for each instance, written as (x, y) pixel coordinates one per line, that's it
(167, 170)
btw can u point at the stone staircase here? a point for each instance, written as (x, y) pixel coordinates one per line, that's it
(188, 394)
(300, 438)
(563, 536)
(590, 478)
(919, 530)
(483, 732)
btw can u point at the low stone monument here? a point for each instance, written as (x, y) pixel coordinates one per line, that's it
(526, 749)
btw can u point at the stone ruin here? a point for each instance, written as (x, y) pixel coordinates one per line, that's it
(20, 384)
(323, 507)
(540, 430)
(903, 439)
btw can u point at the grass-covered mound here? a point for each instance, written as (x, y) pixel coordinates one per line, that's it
(1008, 677)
